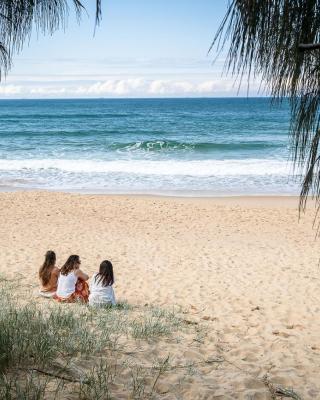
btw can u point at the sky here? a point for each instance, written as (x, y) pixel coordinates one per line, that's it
(142, 48)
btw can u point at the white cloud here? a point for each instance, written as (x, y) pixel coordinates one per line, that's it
(130, 87)
(165, 87)
(119, 87)
(11, 90)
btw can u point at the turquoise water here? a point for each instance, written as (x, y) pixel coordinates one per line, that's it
(188, 146)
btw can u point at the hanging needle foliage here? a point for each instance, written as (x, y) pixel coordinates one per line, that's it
(279, 42)
(18, 18)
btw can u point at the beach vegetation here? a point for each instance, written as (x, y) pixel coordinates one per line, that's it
(61, 349)
(18, 19)
(278, 41)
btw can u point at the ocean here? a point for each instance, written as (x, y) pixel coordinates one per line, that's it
(196, 147)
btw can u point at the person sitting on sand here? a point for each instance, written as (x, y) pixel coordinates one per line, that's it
(101, 290)
(48, 275)
(72, 285)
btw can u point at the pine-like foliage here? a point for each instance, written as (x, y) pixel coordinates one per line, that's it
(278, 40)
(19, 17)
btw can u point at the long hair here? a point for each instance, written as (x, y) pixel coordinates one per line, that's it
(47, 267)
(105, 274)
(70, 264)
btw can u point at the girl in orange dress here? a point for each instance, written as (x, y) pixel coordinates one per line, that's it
(72, 282)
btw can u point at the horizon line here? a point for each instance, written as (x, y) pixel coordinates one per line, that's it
(140, 98)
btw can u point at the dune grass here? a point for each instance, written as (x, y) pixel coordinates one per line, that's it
(74, 351)
(71, 351)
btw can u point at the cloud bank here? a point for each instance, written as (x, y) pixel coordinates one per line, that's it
(130, 87)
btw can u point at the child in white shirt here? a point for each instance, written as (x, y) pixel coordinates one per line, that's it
(101, 290)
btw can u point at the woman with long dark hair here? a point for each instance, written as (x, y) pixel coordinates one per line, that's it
(72, 285)
(101, 290)
(48, 275)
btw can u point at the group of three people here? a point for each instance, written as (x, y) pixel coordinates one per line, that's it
(69, 284)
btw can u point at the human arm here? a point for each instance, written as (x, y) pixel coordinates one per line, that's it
(79, 274)
(113, 298)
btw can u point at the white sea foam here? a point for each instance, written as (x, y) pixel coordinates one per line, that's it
(196, 168)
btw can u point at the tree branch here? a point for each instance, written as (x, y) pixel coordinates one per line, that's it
(309, 46)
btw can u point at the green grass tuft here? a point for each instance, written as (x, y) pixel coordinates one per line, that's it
(52, 351)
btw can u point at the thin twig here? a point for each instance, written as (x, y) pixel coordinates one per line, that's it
(65, 378)
(161, 369)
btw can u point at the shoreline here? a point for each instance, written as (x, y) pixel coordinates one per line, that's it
(197, 194)
(274, 200)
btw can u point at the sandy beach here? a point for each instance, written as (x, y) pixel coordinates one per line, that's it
(247, 268)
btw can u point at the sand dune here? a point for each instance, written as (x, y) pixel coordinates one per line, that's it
(245, 267)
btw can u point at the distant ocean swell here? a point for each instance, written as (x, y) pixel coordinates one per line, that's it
(194, 146)
(202, 147)
(159, 145)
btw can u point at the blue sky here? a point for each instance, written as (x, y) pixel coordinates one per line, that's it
(142, 48)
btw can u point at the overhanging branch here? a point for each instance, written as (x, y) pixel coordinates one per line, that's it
(309, 46)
